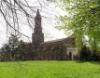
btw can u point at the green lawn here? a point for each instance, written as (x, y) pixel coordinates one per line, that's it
(49, 69)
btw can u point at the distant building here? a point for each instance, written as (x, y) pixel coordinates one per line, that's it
(60, 49)
(55, 49)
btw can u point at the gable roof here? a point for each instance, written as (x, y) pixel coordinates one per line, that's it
(63, 40)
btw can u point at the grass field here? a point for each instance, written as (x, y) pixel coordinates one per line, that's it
(49, 69)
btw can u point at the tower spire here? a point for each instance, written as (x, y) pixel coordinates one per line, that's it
(37, 36)
(38, 12)
(38, 27)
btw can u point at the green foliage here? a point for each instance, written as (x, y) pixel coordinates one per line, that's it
(13, 45)
(83, 19)
(13, 42)
(13, 49)
(49, 69)
(85, 54)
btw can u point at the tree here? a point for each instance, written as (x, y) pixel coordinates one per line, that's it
(12, 10)
(83, 20)
(5, 48)
(13, 49)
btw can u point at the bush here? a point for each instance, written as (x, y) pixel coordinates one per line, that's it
(85, 54)
(96, 56)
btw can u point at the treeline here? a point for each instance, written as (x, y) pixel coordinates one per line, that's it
(86, 54)
(15, 50)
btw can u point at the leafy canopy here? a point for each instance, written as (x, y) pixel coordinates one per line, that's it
(83, 19)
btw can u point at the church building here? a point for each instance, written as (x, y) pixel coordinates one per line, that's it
(60, 49)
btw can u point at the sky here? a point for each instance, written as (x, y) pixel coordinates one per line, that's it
(49, 12)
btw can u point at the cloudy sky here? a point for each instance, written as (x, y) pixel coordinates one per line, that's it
(49, 12)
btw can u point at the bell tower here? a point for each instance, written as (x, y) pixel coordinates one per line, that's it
(37, 36)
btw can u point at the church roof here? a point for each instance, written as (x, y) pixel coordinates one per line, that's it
(67, 39)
